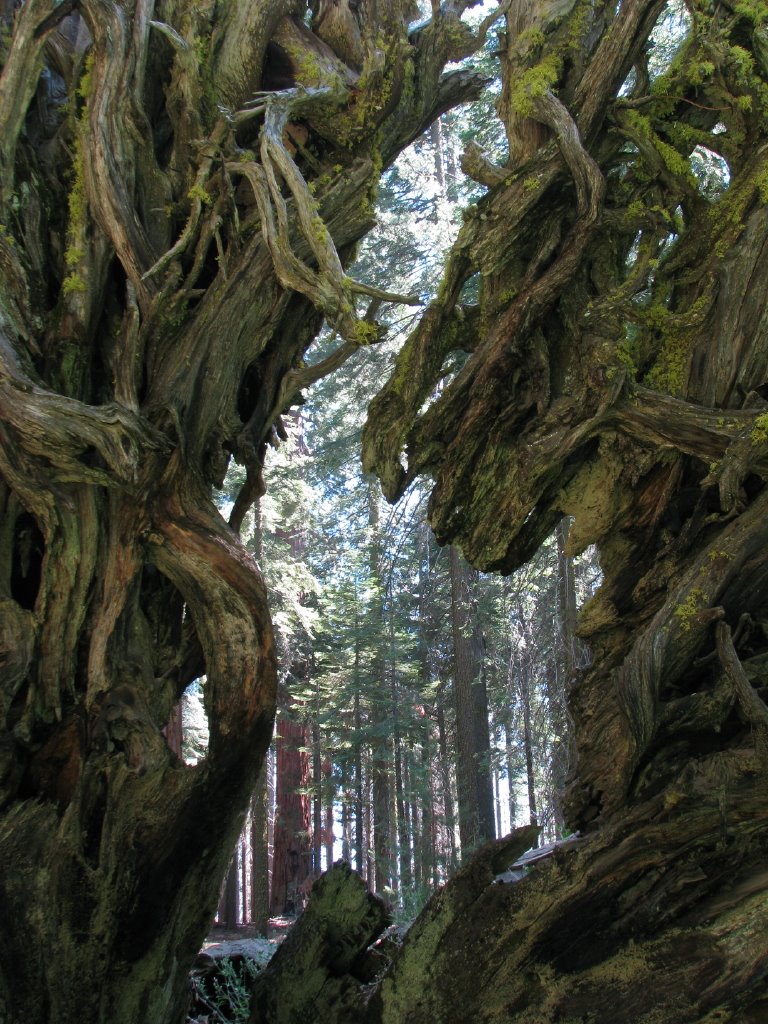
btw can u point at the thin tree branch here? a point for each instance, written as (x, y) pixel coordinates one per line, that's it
(196, 194)
(328, 287)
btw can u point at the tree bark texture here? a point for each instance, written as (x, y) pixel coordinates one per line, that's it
(260, 853)
(615, 371)
(316, 973)
(164, 266)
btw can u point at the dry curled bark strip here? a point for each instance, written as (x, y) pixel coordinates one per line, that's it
(586, 174)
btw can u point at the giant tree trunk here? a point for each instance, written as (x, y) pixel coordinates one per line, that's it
(615, 371)
(163, 268)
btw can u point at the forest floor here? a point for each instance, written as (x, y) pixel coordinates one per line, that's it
(246, 941)
(225, 967)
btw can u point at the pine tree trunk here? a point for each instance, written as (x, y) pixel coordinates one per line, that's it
(260, 854)
(381, 759)
(429, 819)
(447, 790)
(566, 602)
(476, 812)
(230, 898)
(402, 817)
(524, 690)
(346, 829)
(561, 674)
(291, 858)
(360, 854)
(512, 771)
(428, 845)
(370, 855)
(317, 801)
(497, 801)
(328, 831)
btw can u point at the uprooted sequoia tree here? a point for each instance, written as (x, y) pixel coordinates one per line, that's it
(181, 188)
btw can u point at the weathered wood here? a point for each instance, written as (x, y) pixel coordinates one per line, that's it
(642, 921)
(312, 975)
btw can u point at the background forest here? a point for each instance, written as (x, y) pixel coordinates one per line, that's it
(422, 704)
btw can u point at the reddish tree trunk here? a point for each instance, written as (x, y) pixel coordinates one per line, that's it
(292, 851)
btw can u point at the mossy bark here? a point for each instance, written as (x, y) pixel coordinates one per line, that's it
(316, 973)
(616, 373)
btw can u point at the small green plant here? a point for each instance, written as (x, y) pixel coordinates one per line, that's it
(366, 332)
(229, 993)
(73, 284)
(198, 192)
(412, 902)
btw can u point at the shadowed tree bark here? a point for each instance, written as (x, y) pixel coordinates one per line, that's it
(181, 185)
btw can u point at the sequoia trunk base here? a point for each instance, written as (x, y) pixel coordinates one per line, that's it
(662, 918)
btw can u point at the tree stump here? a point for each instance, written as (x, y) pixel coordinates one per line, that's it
(312, 977)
